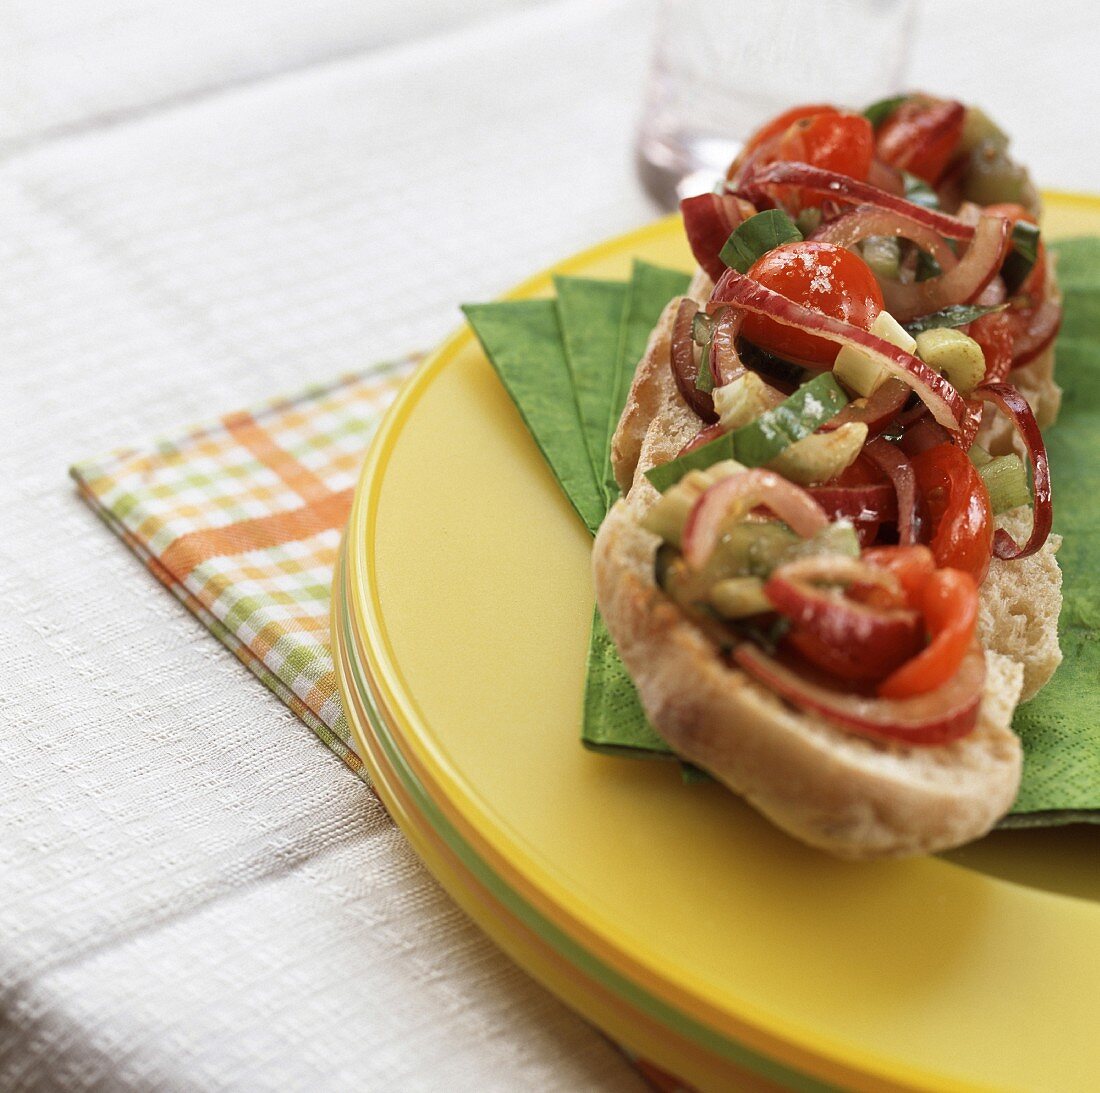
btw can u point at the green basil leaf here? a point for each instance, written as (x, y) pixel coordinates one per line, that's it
(1023, 255)
(955, 315)
(927, 266)
(879, 111)
(919, 192)
(756, 236)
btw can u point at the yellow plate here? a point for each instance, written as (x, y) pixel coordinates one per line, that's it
(463, 622)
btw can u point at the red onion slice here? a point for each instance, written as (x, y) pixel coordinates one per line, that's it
(867, 220)
(725, 361)
(938, 717)
(942, 399)
(745, 491)
(1040, 332)
(892, 461)
(708, 221)
(963, 281)
(838, 187)
(1007, 398)
(683, 364)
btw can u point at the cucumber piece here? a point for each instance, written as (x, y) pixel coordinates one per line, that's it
(760, 441)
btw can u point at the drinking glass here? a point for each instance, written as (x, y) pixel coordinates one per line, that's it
(721, 68)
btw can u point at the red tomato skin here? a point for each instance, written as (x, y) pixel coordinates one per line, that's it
(957, 504)
(770, 131)
(821, 276)
(995, 334)
(921, 136)
(912, 565)
(844, 143)
(949, 603)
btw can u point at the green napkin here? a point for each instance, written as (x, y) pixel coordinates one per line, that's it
(601, 329)
(523, 340)
(1060, 726)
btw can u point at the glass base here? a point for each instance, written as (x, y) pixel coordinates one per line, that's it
(672, 168)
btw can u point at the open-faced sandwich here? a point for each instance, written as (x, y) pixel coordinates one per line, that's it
(829, 577)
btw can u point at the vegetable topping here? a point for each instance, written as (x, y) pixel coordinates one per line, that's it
(828, 518)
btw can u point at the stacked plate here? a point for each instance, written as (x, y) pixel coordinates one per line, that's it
(670, 915)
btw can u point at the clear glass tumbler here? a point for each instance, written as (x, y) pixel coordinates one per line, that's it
(722, 67)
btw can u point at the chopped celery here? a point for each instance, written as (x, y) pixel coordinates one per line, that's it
(978, 455)
(992, 178)
(1006, 479)
(857, 370)
(882, 253)
(666, 517)
(953, 353)
(838, 538)
(979, 128)
(822, 456)
(743, 400)
(739, 597)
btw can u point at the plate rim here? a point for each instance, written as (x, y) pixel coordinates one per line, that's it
(373, 644)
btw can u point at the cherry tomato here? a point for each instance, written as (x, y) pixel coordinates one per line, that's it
(821, 276)
(949, 603)
(776, 128)
(841, 632)
(844, 143)
(912, 565)
(995, 334)
(957, 504)
(921, 136)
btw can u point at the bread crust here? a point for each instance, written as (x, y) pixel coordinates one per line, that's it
(855, 797)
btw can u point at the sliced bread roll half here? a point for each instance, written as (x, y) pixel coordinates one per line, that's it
(855, 797)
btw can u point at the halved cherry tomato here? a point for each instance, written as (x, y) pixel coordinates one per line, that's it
(853, 641)
(835, 142)
(840, 630)
(949, 603)
(957, 504)
(822, 276)
(921, 136)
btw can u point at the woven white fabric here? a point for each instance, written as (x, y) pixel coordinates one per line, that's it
(194, 894)
(201, 206)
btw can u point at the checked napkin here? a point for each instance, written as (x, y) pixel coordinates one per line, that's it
(241, 520)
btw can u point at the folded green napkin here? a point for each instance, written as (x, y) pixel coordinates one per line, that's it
(568, 363)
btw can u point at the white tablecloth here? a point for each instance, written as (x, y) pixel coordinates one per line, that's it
(203, 203)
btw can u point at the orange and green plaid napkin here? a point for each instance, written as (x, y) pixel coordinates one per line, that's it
(241, 520)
